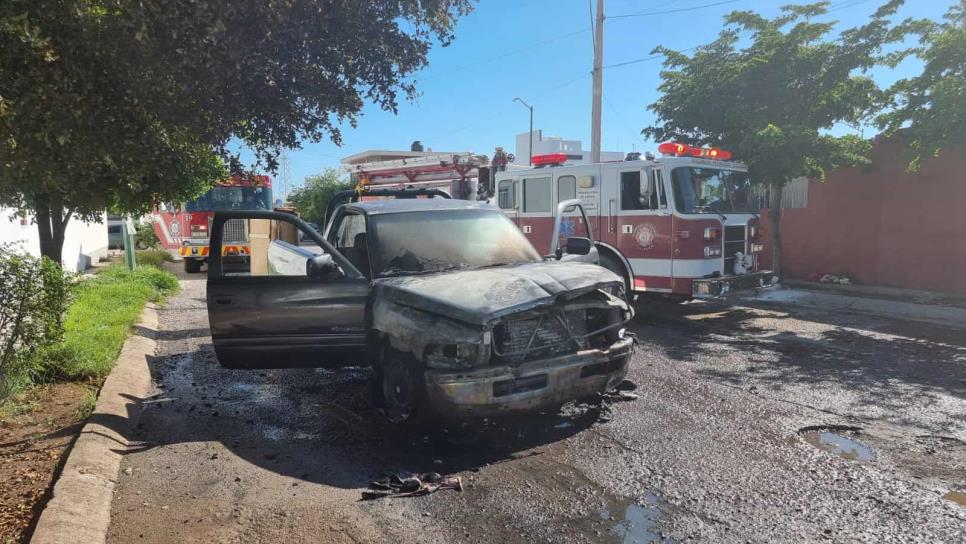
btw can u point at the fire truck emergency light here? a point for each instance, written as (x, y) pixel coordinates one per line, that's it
(550, 159)
(680, 150)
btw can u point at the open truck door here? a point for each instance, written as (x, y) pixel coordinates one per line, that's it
(566, 242)
(301, 303)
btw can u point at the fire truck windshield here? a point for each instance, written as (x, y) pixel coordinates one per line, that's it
(711, 190)
(232, 198)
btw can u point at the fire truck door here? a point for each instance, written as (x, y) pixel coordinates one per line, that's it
(508, 199)
(643, 227)
(584, 188)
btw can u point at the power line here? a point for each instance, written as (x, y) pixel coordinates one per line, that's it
(667, 11)
(845, 4)
(645, 59)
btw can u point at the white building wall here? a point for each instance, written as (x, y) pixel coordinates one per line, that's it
(543, 145)
(84, 243)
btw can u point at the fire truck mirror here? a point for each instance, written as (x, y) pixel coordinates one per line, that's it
(648, 189)
(579, 246)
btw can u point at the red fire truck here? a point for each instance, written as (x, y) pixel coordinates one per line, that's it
(185, 227)
(682, 224)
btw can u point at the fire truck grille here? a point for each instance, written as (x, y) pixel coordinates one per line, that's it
(734, 241)
(235, 231)
(541, 335)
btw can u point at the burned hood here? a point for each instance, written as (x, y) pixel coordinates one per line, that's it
(480, 296)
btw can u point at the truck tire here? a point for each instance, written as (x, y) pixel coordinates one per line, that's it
(192, 266)
(608, 261)
(403, 391)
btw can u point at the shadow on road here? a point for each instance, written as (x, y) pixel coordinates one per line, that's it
(319, 425)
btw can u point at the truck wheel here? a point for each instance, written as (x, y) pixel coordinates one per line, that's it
(609, 262)
(402, 389)
(192, 266)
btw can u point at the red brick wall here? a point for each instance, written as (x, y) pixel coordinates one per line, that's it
(880, 225)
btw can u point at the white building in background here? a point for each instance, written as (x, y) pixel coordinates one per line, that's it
(84, 243)
(544, 145)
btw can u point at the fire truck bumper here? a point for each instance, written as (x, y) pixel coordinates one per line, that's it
(717, 287)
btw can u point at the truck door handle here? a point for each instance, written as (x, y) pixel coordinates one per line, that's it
(224, 300)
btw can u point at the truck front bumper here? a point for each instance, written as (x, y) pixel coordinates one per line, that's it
(716, 287)
(531, 385)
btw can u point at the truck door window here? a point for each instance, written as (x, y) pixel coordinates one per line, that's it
(352, 241)
(631, 191)
(536, 195)
(566, 188)
(506, 199)
(277, 249)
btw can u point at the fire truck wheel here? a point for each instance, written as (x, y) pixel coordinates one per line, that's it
(192, 266)
(611, 263)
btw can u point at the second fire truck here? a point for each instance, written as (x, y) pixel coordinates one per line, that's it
(185, 227)
(682, 224)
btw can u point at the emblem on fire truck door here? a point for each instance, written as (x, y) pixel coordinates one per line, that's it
(644, 235)
(175, 228)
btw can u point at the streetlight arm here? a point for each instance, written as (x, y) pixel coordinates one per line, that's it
(529, 107)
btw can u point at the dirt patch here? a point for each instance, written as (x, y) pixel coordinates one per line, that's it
(32, 447)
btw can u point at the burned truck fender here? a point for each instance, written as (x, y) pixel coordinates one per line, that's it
(420, 334)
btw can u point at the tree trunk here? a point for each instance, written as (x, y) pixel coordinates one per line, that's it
(774, 217)
(51, 225)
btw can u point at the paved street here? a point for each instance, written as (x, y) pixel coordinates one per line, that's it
(710, 450)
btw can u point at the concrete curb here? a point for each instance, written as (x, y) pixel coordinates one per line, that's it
(80, 508)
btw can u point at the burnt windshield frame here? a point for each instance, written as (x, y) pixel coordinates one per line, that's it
(251, 197)
(515, 248)
(687, 202)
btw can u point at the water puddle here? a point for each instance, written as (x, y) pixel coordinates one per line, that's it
(957, 497)
(639, 523)
(837, 444)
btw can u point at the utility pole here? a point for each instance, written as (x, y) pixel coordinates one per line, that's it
(529, 107)
(598, 82)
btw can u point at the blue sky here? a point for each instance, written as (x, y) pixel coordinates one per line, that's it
(541, 51)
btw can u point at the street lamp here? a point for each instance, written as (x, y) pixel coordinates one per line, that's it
(529, 107)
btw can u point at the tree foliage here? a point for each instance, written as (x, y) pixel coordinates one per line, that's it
(115, 103)
(313, 197)
(770, 90)
(930, 109)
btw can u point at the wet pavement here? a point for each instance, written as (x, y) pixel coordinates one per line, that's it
(743, 425)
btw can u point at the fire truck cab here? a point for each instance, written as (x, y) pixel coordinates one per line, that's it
(185, 227)
(684, 224)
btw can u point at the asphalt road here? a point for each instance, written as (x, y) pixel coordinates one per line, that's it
(713, 449)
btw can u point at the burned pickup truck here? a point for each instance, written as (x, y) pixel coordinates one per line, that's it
(449, 303)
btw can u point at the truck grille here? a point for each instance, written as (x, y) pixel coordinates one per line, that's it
(235, 231)
(734, 241)
(541, 335)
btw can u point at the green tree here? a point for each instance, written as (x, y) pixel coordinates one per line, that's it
(929, 110)
(769, 90)
(314, 195)
(115, 103)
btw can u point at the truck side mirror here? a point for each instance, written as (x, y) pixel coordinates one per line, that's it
(320, 266)
(579, 246)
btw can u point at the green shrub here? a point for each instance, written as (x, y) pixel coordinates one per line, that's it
(145, 235)
(33, 296)
(152, 257)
